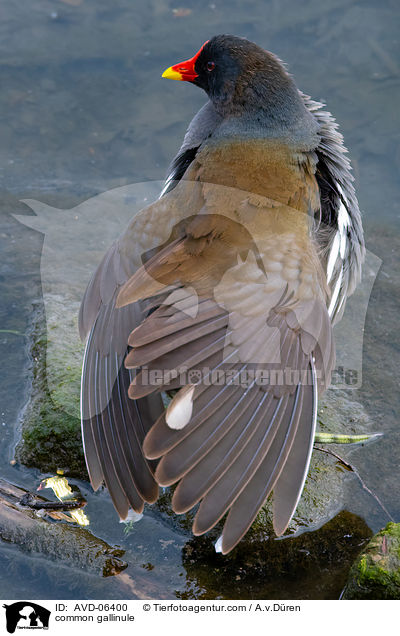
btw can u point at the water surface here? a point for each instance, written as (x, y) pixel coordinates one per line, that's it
(83, 109)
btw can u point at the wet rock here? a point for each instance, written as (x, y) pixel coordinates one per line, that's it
(376, 572)
(51, 437)
(65, 543)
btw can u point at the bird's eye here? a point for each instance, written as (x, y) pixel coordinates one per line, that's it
(210, 66)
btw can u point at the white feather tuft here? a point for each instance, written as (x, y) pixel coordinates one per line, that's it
(180, 409)
(218, 544)
(132, 517)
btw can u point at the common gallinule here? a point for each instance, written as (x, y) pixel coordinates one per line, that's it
(223, 292)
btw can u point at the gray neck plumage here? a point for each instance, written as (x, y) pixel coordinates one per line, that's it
(298, 128)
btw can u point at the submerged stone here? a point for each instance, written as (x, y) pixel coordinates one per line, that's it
(312, 565)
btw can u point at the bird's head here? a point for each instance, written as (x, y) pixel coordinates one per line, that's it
(239, 77)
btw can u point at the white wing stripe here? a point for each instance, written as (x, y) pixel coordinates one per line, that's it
(335, 293)
(333, 256)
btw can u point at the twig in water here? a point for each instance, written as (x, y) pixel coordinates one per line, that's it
(357, 474)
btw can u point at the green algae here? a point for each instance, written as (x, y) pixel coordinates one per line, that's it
(376, 573)
(332, 438)
(51, 435)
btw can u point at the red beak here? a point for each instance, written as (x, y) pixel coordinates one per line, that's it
(184, 71)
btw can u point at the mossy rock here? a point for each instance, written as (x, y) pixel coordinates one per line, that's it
(376, 573)
(51, 433)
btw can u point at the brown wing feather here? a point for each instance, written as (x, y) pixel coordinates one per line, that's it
(209, 297)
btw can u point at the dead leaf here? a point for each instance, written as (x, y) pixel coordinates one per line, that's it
(181, 12)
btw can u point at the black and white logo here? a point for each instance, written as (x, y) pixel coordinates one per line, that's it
(26, 615)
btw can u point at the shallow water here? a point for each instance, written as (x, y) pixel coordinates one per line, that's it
(83, 110)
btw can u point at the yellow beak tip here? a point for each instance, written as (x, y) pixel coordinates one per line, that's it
(169, 73)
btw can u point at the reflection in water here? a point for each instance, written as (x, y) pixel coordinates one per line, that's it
(311, 566)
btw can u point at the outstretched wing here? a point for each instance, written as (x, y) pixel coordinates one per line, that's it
(233, 433)
(113, 426)
(338, 224)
